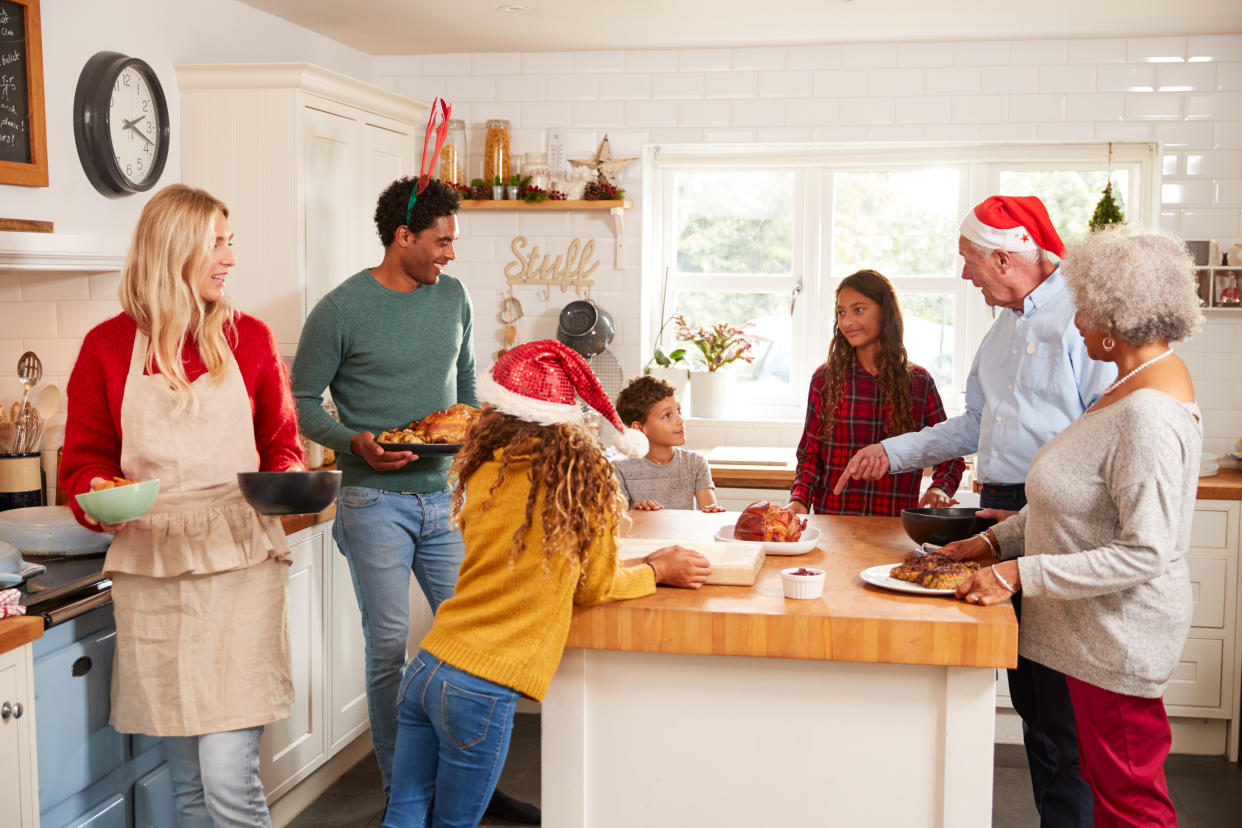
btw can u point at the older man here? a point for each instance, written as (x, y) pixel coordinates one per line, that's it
(1030, 379)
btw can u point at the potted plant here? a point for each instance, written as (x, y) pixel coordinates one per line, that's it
(717, 346)
(498, 189)
(516, 183)
(672, 367)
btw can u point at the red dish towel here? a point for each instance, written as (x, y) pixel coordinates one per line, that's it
(10, 603)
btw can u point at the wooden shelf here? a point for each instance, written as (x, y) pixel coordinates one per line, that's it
(579, 205)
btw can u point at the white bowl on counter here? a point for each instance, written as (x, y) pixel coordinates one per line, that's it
(800, 586)
(50, 530)
(804, 544)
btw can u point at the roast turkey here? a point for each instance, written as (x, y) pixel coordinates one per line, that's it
(765, 521)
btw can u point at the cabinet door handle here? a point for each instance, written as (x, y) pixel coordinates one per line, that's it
(6, 710)
(17, 710)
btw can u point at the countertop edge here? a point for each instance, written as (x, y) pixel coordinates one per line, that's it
(19, 630)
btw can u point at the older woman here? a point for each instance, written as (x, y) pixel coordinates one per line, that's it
(1100, 553)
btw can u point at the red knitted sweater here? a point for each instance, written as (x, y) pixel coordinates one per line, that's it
(97, 386)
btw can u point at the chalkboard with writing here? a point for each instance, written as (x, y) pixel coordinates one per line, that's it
(23, 143)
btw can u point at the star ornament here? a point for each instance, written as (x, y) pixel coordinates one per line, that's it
(603, 164)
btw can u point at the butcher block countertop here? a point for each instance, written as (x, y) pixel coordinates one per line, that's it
(853, 621)
(19, 630)
(1226, 484)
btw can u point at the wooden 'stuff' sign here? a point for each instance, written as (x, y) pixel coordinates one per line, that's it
(545, 270)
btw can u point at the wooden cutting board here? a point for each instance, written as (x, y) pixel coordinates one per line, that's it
(733, 564)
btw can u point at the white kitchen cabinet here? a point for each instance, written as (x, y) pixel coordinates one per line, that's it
(299, 154)
(19, 790)
(346, 679)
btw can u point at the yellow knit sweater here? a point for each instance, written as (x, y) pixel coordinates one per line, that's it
(509, 618)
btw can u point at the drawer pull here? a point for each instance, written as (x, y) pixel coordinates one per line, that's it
(17, 710)
(82, 666)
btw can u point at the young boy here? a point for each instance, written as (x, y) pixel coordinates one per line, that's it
(669, 477)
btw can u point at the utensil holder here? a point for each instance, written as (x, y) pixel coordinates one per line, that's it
(21, 480)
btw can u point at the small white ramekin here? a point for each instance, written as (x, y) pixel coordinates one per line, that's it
(802, 586)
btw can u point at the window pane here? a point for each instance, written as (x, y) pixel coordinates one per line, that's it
(1069, 195)
(901, 223)
(766, 317)
(734, 222)
(930, 337)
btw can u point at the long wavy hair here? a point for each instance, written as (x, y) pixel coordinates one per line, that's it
(159, 286)
(582, 501)
(891, 362)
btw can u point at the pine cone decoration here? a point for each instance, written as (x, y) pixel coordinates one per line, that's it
(480, 192)
(593, 191)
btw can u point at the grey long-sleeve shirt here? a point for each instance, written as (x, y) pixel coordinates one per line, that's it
(1105, 587)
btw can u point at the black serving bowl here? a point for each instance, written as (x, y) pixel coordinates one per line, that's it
(941, 526)
(289, 492)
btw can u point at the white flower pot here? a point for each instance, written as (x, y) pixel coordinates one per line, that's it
(676, 377)
(709, 394)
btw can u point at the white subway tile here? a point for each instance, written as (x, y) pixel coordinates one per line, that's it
(703, 113)
(924, 54)
(1123, 132)
(841, 132)
(455, 64)
(55, 286)
(517, 87)
(868, 55)
(627, 143)
(1214, 47)
(625, 87)
(1199, 223)
(57, 355)
(1007, 132)
(731, 85)
(544, 113)
(76, 318)
(11, 351)
(573, 87)
(1088, 107)
(419, 88)
(924, 109)
(1171, 163)
(602, 61)
(1096, 50)
(1183, 193)
(1126, 77)
(1228, 134)
(1037, 108)
(1038, 52)
(1229, 76)
(10, 289)
(1156, 50)
(786, 134)
(677, 85)
(812, 111)
(1218, 164)
(758, 113)
(981, 53)
(470, 88)
(704, 60)
(652, 60)
(840, 83)
(883, 133)
(105, 285)
(1148, 106)
(1192, 134)
(1066, 79)
(786, 84)
(538, 228)
(961, 80)
(1065, 131)
(1010, 80)
(596, 114)
(1192, 360)
(760, 58)
(867, 110)
(951, 132)
(676, 135)
(532, 139)
(980, 109)
(481, 224)
(894, 82)
(1185, 77)
(495, 63)
(1171, 220)
(651, 113)
(30, 319)
(547, 63)
(398, 65)
(814, 57)
(729, 136)
(1228, 194)
(1214, 337)
(1214, 394)
(1216, 105)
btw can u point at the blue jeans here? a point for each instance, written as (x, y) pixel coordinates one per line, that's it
(451, 745)
(215, 779)
(385, 536)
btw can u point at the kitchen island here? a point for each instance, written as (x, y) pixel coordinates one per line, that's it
(734, 706)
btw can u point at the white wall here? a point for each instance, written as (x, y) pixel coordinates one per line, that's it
(1044, 90)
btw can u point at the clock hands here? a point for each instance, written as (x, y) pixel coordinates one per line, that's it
(130, 125)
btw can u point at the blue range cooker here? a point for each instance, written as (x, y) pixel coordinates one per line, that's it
(89, 775)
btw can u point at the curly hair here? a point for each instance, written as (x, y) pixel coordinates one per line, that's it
(1138, 283)
(582, 500)
(437, 200)
(894, 367)
(635, 400)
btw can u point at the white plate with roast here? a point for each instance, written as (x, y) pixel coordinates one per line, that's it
(878, 576)
(804, 544)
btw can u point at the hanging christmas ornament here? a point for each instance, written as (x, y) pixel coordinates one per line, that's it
(1108, 211)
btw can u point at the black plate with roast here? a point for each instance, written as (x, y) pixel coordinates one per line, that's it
(424, 449)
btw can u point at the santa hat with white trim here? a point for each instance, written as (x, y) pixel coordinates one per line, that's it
(1013, 223)
(537, 382)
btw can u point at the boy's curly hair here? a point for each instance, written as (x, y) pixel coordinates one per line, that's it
(635, 400)
(582, 500)
(437, 200)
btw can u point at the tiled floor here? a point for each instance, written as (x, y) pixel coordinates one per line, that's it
(1207, 790)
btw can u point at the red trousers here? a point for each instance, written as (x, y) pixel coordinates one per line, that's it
(1122, 745)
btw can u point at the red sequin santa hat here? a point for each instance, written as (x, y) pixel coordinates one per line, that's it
(537, 382)
(1012, 223)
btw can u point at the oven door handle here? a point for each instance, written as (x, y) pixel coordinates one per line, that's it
(80, 607)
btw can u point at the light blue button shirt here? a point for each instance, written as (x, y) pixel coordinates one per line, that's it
(1030, 379)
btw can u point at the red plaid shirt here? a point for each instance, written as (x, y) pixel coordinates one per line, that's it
(860, 422)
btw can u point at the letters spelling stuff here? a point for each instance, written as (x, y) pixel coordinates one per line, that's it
(545, 271)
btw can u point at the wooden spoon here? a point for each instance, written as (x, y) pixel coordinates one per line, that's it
(8, 432)
(48, 401)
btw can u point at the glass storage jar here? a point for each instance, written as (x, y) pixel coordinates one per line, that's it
(538, 169)
(453, 156)
(496, 152)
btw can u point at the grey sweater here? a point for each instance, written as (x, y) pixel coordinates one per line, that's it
(1105, 588)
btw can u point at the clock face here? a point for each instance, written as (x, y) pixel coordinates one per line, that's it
(134, 125)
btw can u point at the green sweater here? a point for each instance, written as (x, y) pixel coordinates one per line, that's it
(389, 358)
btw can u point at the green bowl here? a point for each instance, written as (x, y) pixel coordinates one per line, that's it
(120, 503)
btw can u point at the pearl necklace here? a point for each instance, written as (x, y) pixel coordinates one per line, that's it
(1110, 389)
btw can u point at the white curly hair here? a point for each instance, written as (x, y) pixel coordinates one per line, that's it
(1136, 282)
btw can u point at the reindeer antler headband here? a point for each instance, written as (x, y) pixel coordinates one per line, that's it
(438, 107)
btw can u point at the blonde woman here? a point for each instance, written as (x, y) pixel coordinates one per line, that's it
(183, 388)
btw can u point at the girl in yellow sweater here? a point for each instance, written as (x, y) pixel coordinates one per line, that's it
(539, 510)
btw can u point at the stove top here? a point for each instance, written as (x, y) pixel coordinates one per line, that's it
(75, 581)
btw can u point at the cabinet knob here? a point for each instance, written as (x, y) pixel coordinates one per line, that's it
(18, 710)
(6, 710)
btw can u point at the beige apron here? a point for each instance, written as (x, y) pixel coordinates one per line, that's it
(200, 584)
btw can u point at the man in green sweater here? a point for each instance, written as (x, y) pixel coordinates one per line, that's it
(393, 344)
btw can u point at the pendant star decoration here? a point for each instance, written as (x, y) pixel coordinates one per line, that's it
(603, 164)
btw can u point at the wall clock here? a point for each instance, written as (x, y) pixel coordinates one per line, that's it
(120, 123)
